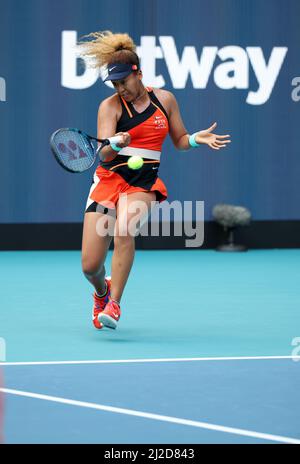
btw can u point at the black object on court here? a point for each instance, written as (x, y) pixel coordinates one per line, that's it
(230, 217)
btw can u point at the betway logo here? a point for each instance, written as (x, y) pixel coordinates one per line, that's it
(232, 73)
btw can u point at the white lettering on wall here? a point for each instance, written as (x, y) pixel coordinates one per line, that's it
(232, 73)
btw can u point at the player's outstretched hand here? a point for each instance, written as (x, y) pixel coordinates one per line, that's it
(212, 140)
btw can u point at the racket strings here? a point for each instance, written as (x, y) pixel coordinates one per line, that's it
(73, 150)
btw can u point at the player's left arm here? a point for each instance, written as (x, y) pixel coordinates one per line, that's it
(180, 136)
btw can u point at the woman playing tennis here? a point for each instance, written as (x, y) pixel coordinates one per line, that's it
(143, 117)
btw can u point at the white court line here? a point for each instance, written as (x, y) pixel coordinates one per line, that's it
(158, 417)
(147, 360)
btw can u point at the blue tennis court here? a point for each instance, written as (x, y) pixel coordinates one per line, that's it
(214, 361)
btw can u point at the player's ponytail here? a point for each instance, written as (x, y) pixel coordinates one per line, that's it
(103, 48)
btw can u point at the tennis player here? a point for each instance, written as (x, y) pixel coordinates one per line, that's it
(143, 117)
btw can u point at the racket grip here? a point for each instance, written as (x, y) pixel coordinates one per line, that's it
(115, 139)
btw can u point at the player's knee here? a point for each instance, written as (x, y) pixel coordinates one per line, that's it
(90, 267)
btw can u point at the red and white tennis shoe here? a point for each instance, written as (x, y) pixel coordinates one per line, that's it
(111, 315)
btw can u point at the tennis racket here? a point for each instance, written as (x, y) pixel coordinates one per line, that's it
(75, 151)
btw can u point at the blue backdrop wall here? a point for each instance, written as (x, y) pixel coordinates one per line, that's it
(231, 61)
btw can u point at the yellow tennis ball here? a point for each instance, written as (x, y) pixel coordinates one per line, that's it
(135, 162)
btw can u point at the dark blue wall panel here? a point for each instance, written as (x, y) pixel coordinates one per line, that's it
(260, 170)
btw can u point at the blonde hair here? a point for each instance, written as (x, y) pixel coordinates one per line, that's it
(104, 48)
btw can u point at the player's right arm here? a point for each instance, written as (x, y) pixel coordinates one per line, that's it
(107, 125)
